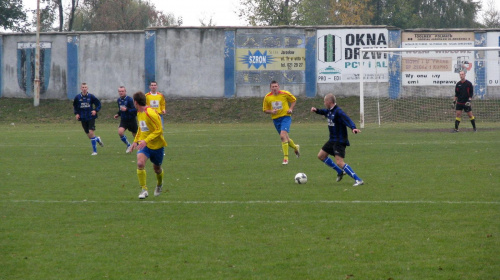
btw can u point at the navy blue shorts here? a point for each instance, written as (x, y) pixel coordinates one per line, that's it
(334, 149)
(88, 125)
(131, 125)
(156, 156)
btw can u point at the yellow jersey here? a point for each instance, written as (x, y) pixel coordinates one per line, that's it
(150, 129)
(280, 102)
(156, 101)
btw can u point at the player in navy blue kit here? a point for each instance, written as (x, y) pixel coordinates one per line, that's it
(85, 108)
(128, 116)
(463, 98)
(338, 121)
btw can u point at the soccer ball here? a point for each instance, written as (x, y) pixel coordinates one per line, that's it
(301, 178)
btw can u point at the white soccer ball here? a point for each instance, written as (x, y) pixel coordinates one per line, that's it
(301, 178)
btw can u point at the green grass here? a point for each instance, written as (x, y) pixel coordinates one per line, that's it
(186, 110)
(430, 208)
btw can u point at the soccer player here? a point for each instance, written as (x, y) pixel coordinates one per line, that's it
(156, 100)
(462, 101)
(279, 104)
(127, 113)
(85, 108)
(149, 143)
(338, 121)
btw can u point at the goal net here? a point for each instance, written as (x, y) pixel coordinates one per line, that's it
(399, 85)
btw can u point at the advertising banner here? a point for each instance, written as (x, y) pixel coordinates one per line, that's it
(436, 67)
(493, 58)
(261, 58)
(339, 55)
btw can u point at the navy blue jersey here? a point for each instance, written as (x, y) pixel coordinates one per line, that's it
(338, 122)
(84, 104)
(131, 112)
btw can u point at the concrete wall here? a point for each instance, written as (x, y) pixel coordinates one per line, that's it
(109, 60)
(190, 62)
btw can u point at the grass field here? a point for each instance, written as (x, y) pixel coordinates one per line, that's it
(430, 208)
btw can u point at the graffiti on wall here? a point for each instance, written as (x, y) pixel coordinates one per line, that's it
(26, 53)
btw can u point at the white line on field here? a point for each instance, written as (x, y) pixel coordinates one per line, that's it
(260, 202)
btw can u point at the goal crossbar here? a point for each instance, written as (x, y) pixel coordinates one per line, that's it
(429, 49)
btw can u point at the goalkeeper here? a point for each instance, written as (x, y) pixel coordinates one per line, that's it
(462, 102)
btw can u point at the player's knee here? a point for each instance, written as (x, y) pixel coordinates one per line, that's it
(157, 169)
(322, 156)
(141, 164)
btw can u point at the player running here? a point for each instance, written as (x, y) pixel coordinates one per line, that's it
(149, 143)
(276, 103)
(127, 114)
(85, 108)
(156, 100)
(338, 121)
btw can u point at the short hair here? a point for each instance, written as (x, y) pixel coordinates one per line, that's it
(140, 98)
(273, 82)
(331, 97)
(84, 84)
(153, 82)
(122, 87)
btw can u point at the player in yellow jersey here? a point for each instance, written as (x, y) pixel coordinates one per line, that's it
(156, 100)
(149, 143)
(279, 104)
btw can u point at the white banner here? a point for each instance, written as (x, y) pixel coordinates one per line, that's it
(436, 67)
(493, 58)
(339, 56)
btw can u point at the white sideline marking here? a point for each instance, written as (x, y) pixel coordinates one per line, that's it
(262, 202)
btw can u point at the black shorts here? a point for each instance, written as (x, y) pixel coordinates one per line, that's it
(334, 149)
(461, 107)
(131, 125)
(88, 125)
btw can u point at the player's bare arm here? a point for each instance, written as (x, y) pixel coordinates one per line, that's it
(292, 105)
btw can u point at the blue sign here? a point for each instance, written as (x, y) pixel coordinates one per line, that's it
(257, 59)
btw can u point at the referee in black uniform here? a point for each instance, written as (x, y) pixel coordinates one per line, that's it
(464, 90)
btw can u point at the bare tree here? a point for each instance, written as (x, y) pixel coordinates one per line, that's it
(206, 23)
(74, 5)
(96, 15)
(491, 18)
(270, 12)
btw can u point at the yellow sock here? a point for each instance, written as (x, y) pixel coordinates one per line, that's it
(292, 144)
(141, 175)
(159, 178)
(284, 145)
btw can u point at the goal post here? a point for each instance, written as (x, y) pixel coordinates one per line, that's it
(414, 85)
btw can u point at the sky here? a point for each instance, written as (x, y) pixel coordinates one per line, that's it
(222, 12)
